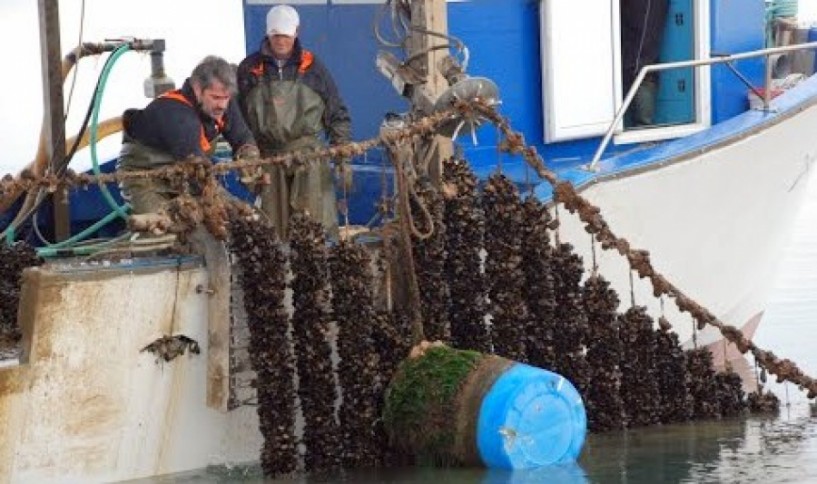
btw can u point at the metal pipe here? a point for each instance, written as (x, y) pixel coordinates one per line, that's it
(691, 63)
(767, 91)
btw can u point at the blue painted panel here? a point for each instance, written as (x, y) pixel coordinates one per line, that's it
(503, 38)
(737, 26)
(342, 37)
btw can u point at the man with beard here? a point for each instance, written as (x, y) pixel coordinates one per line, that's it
(180, 125)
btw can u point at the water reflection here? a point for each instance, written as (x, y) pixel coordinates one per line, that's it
(779, 449)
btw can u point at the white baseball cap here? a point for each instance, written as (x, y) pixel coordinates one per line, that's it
(282, 20)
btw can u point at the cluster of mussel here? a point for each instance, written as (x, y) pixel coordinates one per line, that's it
(330, 357)
(491, 278)
(262, 266)
(13, 259)
(630, 370)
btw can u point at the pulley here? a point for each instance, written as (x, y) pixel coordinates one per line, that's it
(463, 88)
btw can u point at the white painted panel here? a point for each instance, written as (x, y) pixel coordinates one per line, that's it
(580, 74)
(714, 223)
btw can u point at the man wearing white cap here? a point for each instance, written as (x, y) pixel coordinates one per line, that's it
(290, 101)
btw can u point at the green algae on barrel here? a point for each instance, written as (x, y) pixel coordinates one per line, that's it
(421, 402)
(455, 407)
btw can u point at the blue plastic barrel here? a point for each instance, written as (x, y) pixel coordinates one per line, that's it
(530, 418)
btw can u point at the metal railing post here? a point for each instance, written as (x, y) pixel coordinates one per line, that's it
(695, 63)
(767, 94)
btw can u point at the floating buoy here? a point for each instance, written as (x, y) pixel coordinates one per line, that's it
(530, 418)
(456, 407)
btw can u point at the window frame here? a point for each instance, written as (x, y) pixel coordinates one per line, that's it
(703, 89)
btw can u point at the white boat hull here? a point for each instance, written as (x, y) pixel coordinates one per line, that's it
(714, 221)
(90, 406)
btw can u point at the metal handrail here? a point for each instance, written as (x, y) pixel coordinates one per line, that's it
(726, 59)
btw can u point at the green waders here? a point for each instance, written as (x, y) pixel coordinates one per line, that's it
(307, 188)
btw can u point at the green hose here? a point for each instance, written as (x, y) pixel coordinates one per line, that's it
(121, 211)
(118, 211)
(775, 10)
(80, 250)
(85, 233)
(784, 8)
(64, 247)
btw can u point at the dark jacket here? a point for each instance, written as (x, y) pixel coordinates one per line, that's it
(642, 29)
(296, 102)
(174, 128)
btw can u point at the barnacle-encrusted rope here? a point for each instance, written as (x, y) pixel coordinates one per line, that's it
(565, 193)
(513, 142)
(180, 171)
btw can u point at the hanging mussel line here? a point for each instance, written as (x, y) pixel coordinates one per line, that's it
(354, 313)
(262, 275)
(605, 351)
(311, 318)
(703, 386)
(571, 325)
(677, 404)
(731, 397)
(464, 242)
(539, 289)
(565, 193)
(761, 401)
(392, 337)
(13, 260)
(428, 239)
(569, 319)
(639, 385)
(503, 267)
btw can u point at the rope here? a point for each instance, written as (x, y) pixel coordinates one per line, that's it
(425, 126)
(417, 330)
(595, 266)
(565, 193)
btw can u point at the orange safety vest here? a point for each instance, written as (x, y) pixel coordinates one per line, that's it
(307, 58)
(204, 143)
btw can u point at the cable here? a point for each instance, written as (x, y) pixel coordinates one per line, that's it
(41, 194)
(76, 67)
(377, 21)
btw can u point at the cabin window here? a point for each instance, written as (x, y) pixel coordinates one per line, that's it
(583, 85)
